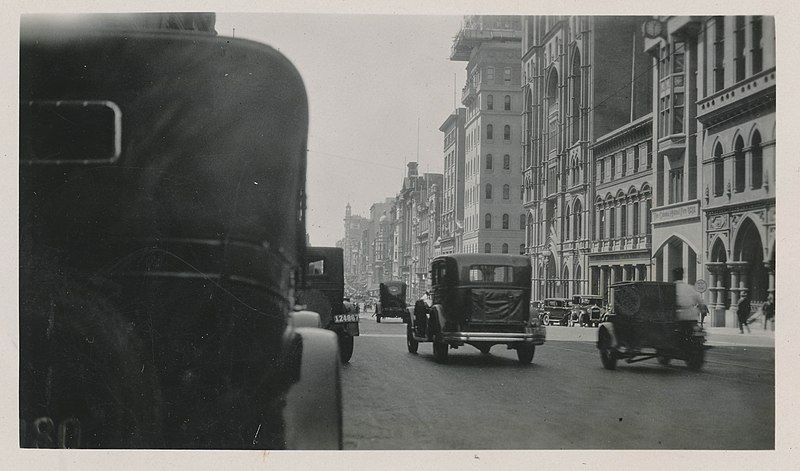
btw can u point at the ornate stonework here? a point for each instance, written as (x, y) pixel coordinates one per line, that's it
(718, 222)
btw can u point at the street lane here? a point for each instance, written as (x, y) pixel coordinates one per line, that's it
(564, 400)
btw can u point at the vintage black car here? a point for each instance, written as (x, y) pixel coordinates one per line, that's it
(480, 300)
(323, 293)
(162, 231)
(392, 301)
(555, 311)
(644, 322)
(586, 310)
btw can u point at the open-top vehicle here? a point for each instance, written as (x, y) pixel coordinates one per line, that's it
(323, 293)
(480, 300)
(162, 231)
(586, 310)
(392, 301)
(643, 323)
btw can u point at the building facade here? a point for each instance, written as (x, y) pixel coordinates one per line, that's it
(452, 223)
(583, 77)
(493, 216)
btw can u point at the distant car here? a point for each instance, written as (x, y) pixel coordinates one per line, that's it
(392, 301)
(555, 311)
(586, 310)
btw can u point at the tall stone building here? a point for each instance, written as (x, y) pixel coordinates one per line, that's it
(714, 212)
(493, 216)
(583, 78)
(451, 239)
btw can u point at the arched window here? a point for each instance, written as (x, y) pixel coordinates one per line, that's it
(576, 96)
(566, 221)
(488, 161)
(489, 132)
(507, 104)
(490, 102)
(487, 248)
(739, 164)
(577, 226)
(719, 171)
(488, 191)
(505, 221)
(506, 162)
(529, 230)
(612, 221)
(506, 192)
(522, 222)
(757, 161)
(522, 249)
(505, 248)
(623, 226)
(487, 221)
(507, 132)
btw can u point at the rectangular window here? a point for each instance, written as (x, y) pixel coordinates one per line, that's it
(623, 226)
(507, 75)
(490, 74)
(677, 113)
(719, 53)
(635, 218)
(613, 174)
(491, 273)
(757, 47)
(602, 224)
(739, 59)
(624, 162)
(676, 185)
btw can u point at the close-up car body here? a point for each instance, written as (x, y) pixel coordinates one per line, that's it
(162, 231)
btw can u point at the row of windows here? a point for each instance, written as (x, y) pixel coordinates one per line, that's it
(506, 162)
(506, 102)
(607, 167)
(744, 43)
(473, 138)
(740, 165)
(472, 225)
(610, 224)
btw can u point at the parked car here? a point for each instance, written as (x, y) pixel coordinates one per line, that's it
(392, 301)
(161, 226)
(480, 300)
(323, 293)
(587, 310)
(555, 311)
(642, 323)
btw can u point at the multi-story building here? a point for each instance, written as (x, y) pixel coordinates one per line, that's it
(378, 244)
(583, 77)
(354, 255)
(426, 227)
(493, 216)
(451, 240)
(623, 180)
(714, 213)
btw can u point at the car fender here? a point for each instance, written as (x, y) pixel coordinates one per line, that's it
(299, 319)
(608, 328)
(437, 312)
(313, 412)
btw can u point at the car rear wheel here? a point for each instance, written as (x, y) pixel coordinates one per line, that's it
(606, 351)
(525, 353)
(411, 344)
(440, 351)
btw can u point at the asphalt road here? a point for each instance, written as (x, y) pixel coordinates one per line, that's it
(394, 400)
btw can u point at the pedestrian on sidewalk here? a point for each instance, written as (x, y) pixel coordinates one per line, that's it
(743, 312)
(703, 309)
(769, 311)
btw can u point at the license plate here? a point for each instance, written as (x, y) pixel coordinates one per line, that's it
(339, 318)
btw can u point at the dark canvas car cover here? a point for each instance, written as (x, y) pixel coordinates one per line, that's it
(161, 224)
(493, 304)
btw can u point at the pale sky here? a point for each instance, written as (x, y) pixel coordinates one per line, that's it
(371, 79)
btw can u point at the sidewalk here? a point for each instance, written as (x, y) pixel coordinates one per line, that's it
(758, 337)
